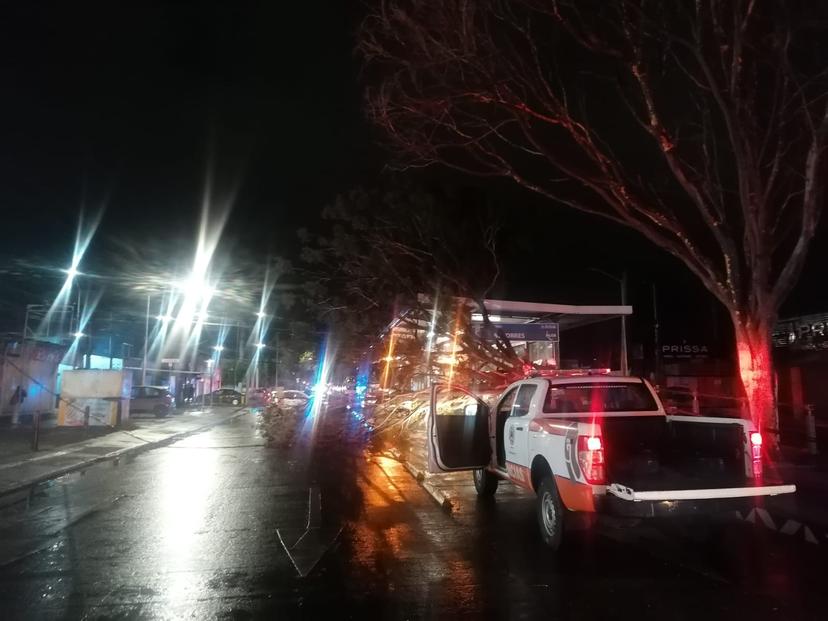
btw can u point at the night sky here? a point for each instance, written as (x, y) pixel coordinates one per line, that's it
(127, 106)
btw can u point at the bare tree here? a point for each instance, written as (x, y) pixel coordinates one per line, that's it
(701, 124)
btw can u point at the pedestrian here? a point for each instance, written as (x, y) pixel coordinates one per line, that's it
(189, 391)
(19, 395)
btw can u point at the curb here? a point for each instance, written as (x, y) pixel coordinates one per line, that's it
(438, 495)
(781, 523)
(114, 455)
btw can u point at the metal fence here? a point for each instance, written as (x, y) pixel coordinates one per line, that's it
(801, 427)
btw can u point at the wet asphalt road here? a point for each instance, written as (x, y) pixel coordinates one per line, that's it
(199, 529)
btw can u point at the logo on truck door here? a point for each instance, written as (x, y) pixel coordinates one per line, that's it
(519, 474)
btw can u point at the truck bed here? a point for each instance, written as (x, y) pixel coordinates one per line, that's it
(654, 453)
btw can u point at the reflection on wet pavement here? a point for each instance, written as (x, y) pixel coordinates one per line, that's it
(190, 530)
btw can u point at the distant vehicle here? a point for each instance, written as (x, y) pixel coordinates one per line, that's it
(226, 396)
(155, 399)
(291, 399)
(598, 444)
(257, 397)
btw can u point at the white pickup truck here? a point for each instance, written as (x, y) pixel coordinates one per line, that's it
(596, 443)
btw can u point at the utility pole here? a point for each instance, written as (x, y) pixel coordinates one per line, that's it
(625, 365)
(656, 365)
(26, 323)
(622, 283)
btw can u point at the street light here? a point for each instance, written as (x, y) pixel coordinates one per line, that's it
(260, 345)
(165, 318)
(622, 283)
(261, 314)
(78, 335)
(218, 347)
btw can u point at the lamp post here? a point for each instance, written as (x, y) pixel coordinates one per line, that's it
(259, 347)
(146, 344)
(218, 349)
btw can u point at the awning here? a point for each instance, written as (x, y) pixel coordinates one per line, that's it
(568, 316)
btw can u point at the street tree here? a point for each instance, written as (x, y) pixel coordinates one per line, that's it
(701, 125)
(422, 259)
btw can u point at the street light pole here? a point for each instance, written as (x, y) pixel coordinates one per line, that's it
(146, 344)
(625, 365)
(656, 361)
(622, 283)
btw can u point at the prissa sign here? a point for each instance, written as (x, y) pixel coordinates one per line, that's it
(809, 332)
(685, 350)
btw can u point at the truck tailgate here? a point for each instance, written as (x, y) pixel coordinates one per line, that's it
(626, 493)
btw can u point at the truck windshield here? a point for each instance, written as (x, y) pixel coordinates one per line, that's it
(598, 397)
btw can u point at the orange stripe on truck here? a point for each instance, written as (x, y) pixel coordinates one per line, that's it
(575, 496)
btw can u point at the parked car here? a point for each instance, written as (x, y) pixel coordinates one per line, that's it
(226, 396)
(257, 397)
(288, 399)
(154, 399)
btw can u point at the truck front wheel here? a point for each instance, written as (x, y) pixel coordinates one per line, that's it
(551, 512)
(484, 482)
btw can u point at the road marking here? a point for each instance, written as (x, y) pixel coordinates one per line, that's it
(790, 527)
(763, 515)
(809, 536)
(310, 544)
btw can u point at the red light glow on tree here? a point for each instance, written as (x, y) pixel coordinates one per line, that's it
(756, 373)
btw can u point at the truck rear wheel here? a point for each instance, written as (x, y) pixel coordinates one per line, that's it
(484, 482)
(550, 512)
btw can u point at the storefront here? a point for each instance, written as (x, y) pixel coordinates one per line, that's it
(801, 357)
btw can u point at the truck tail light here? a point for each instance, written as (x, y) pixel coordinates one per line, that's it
(591, 459)
(756, 453)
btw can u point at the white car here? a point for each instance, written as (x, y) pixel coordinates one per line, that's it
(597, 443)
(291, 399)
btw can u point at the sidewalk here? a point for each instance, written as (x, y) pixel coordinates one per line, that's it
(64, 452)
(16, 441)
(808, 506)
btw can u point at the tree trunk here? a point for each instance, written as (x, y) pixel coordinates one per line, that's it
(753, 349)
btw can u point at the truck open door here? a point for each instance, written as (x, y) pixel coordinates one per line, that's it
(457, 430)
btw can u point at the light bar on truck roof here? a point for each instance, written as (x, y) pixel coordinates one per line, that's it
(567, 372)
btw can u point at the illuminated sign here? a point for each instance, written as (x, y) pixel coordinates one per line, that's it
(684, 350)
(530, 332)
(808, 332)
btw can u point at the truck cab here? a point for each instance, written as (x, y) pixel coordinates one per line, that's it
(596, 443)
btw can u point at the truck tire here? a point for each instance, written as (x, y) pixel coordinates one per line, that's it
(550, 512)
(160, 411)
(484, 482)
